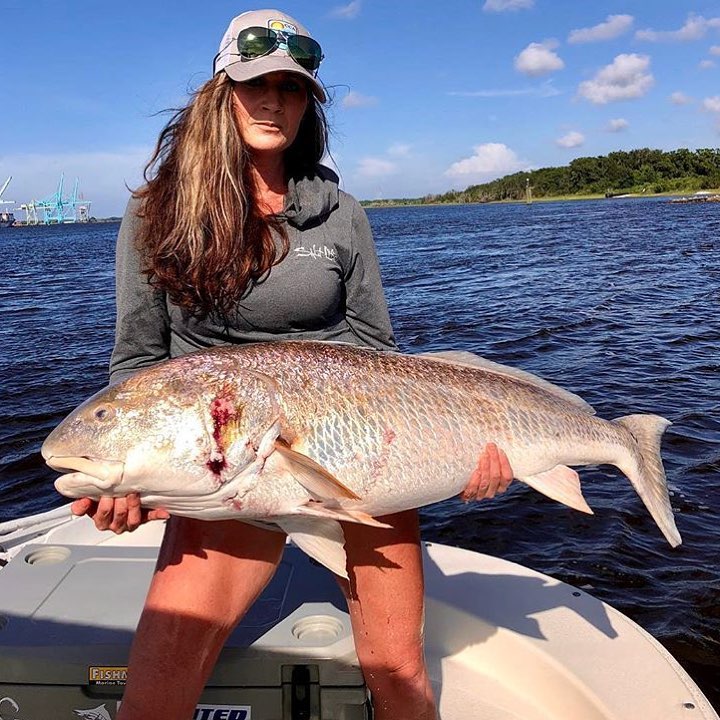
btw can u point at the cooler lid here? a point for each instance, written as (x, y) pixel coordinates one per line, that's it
(68, 614)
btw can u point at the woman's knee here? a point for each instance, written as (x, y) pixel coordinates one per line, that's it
(400, 663)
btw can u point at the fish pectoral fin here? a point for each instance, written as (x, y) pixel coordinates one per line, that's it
(321, 538)
(317, 509)
(312, 476)
(561, 483)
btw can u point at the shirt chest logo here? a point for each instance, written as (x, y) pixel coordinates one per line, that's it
(316, 252)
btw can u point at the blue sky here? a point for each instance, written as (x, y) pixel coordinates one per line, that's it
(427, 96)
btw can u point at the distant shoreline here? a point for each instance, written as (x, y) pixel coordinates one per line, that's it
(375, 204)
(94, 221)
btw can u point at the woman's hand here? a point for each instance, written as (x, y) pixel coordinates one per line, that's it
(492, 475)
(117, 514)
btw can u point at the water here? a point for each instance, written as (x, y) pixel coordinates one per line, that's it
(615, 300)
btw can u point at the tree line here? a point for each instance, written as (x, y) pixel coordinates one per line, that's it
(635, 171)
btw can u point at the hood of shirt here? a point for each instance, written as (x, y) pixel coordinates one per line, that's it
(312, 198)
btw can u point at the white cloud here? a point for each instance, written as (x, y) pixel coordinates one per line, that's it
(627, 77)
(103, 176)
(712, 104)
(539, 59)
(571, 140)
(706, 64)
(617, 125)
(715, 50)
(694, 28)
(503, 5)
(400, 150)
(679, 98)
(347, 12)
(490, 160)
(545, 90)
(613, 26)
(355, 100)
(376, 167)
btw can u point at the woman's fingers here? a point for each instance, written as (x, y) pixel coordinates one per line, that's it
(477, 484)
(83, 506)
(104, 513)
(505, 471)
(491, 476)
(493, 464)
(121, 514)
(156, 514)
(134, 516)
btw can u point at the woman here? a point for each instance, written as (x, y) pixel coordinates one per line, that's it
(240, 235)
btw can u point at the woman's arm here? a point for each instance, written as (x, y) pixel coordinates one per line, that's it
(142, 328)
(142, 336)
(366, 308)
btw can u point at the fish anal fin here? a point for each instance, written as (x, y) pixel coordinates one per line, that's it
(561, 483)
(313, 476)
(321, 538)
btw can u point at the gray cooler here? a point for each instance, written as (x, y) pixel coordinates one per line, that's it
(67, 615)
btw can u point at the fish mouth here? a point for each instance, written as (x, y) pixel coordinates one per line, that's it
(86, 471)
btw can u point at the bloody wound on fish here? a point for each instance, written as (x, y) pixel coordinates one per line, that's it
(225, 417)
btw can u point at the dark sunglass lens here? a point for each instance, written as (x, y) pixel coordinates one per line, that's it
(254, 42)
(305, 51)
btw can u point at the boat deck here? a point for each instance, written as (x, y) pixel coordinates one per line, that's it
(503, 642)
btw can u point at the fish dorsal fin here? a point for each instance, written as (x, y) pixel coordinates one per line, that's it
(312, 476)
(468, 359)
(560, 483)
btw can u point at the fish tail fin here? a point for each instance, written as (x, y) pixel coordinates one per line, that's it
(645, 470)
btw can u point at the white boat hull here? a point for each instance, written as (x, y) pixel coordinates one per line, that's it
(503, 642)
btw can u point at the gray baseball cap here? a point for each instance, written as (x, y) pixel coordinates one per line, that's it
(241, 69)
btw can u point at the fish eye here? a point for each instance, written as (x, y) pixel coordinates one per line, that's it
(104, 413)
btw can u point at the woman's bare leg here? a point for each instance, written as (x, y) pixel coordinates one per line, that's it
(208, 575)
(386, 602)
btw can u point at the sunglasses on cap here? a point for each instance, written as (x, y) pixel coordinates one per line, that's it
(256, 42)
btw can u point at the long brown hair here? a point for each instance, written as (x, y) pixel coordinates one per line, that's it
(202, 237)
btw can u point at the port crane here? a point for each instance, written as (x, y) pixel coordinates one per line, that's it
(2, 190)
(56, 209)
(6, 217)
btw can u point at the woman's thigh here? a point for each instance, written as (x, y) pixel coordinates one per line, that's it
(385, 592)
(220, 566)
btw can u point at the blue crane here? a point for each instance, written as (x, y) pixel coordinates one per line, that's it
(56, 209)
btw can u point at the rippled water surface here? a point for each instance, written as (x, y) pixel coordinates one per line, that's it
(615, 300)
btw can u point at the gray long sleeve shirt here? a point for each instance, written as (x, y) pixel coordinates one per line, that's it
(327, 288)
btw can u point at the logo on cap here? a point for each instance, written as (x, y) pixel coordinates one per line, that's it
(286, 28)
